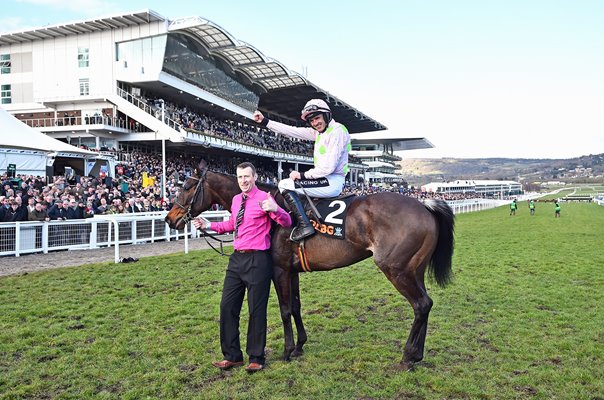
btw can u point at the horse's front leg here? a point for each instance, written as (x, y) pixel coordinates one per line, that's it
(283, 287)
(297, 314)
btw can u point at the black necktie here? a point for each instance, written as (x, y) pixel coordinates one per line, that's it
(239, 219)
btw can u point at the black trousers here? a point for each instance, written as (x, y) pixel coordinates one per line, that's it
(252, 272)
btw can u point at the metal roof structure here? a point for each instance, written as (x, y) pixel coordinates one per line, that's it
(81, 27)
(397, 144)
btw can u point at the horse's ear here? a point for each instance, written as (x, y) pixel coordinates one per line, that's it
(203, 165)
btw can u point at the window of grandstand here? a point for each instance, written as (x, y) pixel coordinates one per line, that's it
(5, 94)
(5, 63)
(185, 59)
(83, 57)
(141, 52)
(84, 87)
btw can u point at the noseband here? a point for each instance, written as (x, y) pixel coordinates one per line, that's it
(198, 191)
(188, 217)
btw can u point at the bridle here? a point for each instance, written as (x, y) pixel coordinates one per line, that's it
(188, 217)
(198, 191)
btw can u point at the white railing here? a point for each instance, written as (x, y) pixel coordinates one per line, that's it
(472, 205)
(18, 238)
(113, 230)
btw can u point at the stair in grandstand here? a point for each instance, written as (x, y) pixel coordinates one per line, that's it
(146, 115)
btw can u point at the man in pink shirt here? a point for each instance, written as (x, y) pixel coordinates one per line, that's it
(250, 266)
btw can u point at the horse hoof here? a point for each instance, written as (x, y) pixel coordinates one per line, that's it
(297, 353)
(405, 366)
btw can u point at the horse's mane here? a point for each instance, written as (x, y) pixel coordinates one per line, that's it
(266, 187)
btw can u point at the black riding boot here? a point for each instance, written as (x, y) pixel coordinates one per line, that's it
(304, 228)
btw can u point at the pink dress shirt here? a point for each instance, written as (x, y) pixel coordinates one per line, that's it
(254, 231)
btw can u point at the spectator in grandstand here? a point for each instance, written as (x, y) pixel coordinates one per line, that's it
(327, 178)
(39, 213)
(557, 210)
(31, 204)
(11, 214)
(129, 208)
(138, 204)
(513, 207)
(102, 206)
(19, 210)
(28, 193)
(89, 209)
(4, 206)
(75, 210)
(250, 267)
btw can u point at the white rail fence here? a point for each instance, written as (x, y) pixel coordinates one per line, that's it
(17, 238)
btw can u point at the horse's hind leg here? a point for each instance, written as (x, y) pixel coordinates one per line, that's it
(283, 287)
(297, 314)
(411, 285)
(422, 304)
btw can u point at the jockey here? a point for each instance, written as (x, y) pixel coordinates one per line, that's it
(327, 178)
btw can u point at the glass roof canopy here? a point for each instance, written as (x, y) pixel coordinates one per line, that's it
(241, 56)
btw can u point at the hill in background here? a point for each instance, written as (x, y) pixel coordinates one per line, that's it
(585, 169)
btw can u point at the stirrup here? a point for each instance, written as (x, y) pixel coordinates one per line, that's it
(303, 234)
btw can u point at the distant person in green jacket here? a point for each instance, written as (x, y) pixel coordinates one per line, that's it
(557, 210)
(513, 207)
(532, 207)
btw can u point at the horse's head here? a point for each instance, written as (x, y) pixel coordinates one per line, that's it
(191, 200)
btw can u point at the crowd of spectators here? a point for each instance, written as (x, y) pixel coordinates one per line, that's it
(250, 134)
(135, 187)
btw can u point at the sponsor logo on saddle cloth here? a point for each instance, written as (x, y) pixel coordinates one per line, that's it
(333, 210)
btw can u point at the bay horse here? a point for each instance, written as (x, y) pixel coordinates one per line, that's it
(404, 235)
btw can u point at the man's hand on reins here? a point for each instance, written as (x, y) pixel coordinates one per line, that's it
(201, 223)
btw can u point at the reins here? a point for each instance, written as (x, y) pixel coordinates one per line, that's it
(221, 241)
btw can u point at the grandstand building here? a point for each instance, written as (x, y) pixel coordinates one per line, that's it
(141, 80)
(482, 188)
(378, 153)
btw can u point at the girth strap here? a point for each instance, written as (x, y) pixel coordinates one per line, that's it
(303, 258)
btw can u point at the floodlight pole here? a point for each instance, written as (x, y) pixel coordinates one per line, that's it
(163, 153)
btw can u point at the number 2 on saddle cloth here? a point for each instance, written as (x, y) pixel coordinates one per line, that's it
(334, 209)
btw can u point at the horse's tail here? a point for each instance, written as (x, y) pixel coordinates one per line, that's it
(440, 263)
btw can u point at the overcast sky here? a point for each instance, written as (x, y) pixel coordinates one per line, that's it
(477, 78)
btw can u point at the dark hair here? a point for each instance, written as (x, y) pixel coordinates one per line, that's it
(247, 165)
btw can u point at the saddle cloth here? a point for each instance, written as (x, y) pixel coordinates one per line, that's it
(333, 210)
